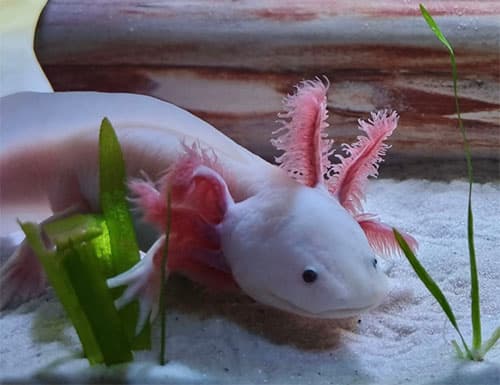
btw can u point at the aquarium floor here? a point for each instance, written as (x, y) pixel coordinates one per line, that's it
(230, 339)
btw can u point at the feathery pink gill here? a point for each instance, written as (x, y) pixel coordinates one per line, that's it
(307, 152)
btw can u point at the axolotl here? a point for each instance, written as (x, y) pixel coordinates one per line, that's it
(293, 236)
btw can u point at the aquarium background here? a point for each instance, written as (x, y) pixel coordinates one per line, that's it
(231, 63)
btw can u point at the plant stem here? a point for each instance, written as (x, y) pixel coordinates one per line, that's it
(475, 302)
(163, 279)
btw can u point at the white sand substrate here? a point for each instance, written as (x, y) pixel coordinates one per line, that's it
(230, 339)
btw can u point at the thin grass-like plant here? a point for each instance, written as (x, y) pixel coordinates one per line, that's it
(478, 349)
(162, 305)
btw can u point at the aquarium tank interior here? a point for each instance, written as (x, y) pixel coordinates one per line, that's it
(272, 192)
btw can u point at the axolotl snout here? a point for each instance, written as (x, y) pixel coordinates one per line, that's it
(294, 237)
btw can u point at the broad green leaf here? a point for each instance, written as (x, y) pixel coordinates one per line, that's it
(76, 275)
(76, 229)
(94, 297)
(113, 198)
(59, 280)
(87, 249)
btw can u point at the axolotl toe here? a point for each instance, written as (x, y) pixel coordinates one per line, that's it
(293, 236)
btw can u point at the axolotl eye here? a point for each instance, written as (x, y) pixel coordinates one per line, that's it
(309, 275)
(374, 263)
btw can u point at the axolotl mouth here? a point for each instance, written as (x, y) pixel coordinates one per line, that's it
(334, 313)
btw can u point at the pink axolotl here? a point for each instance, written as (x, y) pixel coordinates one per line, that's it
(292, 236)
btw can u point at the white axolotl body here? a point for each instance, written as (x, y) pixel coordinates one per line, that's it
(293, 237)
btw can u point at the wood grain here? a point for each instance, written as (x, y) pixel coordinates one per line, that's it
(231, 62)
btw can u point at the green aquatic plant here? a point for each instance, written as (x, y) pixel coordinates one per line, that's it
(162, 304)
(75, 273)
(88, 249)
(478, 349)
(116, 212)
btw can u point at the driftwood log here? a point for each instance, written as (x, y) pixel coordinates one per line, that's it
(231, 62)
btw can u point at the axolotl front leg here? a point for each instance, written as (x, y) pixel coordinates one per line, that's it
(200, 199)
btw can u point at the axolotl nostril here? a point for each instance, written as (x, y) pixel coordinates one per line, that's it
(293, 236)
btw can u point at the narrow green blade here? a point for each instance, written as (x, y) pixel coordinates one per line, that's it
(474, 292)
(434, 27)
(430, 284)
(162, 305)
(459, 352)
(124, 249)
(490, 342)
(475, 302)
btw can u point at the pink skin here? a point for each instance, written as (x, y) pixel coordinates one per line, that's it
(225, 207)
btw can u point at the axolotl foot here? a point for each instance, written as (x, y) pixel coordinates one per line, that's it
(21, 278)
(143, 283)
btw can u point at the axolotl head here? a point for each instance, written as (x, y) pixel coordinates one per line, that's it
(299, 250)
(302, 245)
